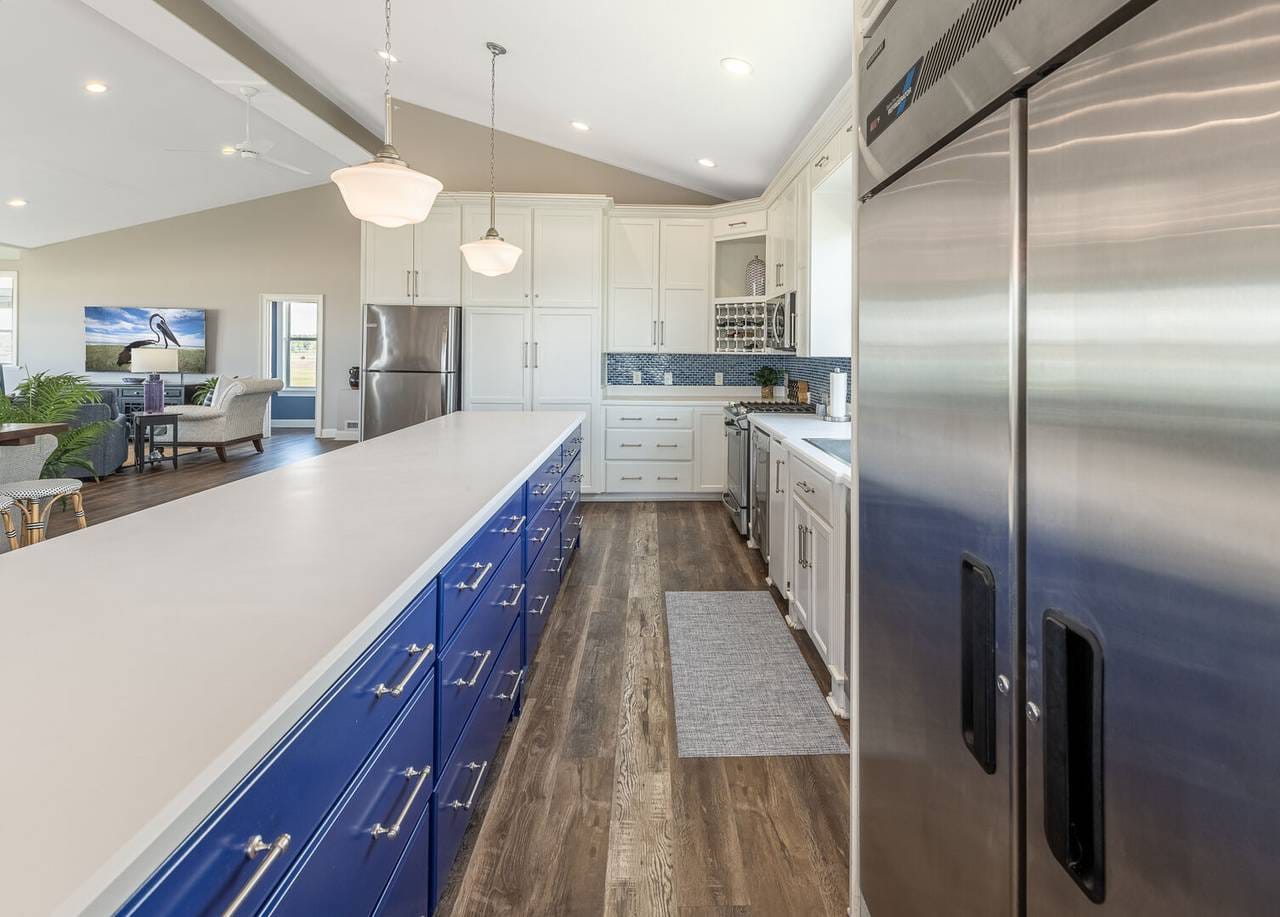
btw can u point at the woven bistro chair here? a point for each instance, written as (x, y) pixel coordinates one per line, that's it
(20, 483)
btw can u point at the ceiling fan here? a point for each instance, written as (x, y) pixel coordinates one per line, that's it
(248, 148)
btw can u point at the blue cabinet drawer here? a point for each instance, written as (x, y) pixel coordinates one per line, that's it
(571, 531)
(571, 448)
(540, 527)
(259, 830)
(572, 483)
(541, 483)
(408, 894)
(463, 777)
(469, 658)
(472, 569)
(544, 586)
(346, 868)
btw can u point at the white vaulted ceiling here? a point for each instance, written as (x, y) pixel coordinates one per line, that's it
(645, 76)
(91, 163)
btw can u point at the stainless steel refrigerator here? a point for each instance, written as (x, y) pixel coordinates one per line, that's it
(412, 366)
(1069, 460)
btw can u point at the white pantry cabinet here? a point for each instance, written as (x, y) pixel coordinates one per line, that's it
(515, 225)
(659, 285)
(567, 258)
(418, 264)
(565, 357)
(495, 368)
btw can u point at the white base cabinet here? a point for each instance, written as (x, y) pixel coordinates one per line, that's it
(779, 529)
(665, 449)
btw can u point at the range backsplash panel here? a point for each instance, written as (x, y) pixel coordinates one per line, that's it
(701, 368)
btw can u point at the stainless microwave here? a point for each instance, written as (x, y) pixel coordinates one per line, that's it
(780, 323)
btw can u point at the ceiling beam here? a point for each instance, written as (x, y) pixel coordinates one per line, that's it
(202, 18)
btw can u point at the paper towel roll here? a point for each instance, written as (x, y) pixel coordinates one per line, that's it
(839, 398)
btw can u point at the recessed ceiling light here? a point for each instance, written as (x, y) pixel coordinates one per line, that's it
(228, 151)
(391, 57)
(709, 163)
(580, 125)
(736, 66)
(16, 202)
(95, 87)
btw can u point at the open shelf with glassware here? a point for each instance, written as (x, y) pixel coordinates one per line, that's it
(740, 325)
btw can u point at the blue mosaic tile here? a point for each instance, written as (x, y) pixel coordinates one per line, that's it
(701, 368)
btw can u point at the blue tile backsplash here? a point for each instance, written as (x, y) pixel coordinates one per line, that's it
(701, 368)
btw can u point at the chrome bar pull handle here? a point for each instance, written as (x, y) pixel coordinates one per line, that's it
(422, 774)
(256, 846)
(570, 496)
(668, 419)
(636, 419)
(474, 654)
(777, 476)
(422, 652)
(560, 506)
(458, 803)
(559, 565)
(543, 609)
(734, 223)
(540, 540)
(515, 687)
(515, 599)
(519, 524)
(804, 485)
(407, 289)
(570, 544)
(524, 359)
(578, 522)
(475, 583)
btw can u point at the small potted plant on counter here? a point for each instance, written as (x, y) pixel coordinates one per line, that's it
(767, 377)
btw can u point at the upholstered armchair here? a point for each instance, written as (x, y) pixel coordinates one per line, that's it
(236, 416)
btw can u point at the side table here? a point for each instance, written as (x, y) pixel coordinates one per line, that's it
(144, 443)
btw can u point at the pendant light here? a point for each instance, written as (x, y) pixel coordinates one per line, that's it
(491, 256)
(385, 191)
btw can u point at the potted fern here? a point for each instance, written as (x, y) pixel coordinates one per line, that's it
(767, 377)
(55, 398)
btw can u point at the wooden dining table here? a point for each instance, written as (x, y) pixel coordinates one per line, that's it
(24, 434)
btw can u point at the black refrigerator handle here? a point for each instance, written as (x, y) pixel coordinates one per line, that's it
(1072, 724)
(978, 661)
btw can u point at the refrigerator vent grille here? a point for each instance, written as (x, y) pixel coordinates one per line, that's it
(973, 25)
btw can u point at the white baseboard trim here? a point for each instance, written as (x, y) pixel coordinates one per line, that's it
(792, 622)
(839, 711)
(646, 498)
(348, 436)
(328, 433)
(294, 424)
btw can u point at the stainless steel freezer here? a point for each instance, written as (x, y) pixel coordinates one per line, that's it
(1153, 469)
(934, 468)
(412, 366)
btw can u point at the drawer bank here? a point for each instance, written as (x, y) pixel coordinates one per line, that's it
(361, 809)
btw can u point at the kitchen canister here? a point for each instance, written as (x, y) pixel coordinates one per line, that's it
(755, 276)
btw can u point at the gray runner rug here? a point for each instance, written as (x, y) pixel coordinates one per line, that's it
(741, 686)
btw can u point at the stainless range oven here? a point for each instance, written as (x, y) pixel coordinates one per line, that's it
(738, 488)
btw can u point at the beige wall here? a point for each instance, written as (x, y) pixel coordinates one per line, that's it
(220, 260)
(304, 241)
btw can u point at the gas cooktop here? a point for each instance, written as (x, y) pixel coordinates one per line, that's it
(739, 408)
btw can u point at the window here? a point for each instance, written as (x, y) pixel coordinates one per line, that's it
(8, 317)
(298, 345)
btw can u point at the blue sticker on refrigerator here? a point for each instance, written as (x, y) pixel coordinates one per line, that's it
(896, 101)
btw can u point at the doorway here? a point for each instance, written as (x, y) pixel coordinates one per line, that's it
(293, 351)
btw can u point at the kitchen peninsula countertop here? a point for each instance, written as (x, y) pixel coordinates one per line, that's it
(130, 711)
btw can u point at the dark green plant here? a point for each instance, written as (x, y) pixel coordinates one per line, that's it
(55, 398)
(767, 376)
(203, 389)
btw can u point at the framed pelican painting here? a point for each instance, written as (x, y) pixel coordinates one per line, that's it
(111, 333)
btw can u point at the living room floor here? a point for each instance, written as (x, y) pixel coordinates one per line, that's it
(126, 491)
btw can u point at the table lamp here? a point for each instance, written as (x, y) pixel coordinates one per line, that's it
(154, 360)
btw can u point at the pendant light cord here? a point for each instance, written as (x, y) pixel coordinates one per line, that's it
(386, 92)
(493, 92)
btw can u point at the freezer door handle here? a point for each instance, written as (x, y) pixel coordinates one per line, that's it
(1072, 723)
(978, 661)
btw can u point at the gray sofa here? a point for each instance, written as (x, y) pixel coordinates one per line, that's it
(112, 448)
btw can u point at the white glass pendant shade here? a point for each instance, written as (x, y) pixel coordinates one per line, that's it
(491, 256)
(387, 192)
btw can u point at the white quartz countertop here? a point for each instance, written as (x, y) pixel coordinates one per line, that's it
(793, 429)
(147, 663)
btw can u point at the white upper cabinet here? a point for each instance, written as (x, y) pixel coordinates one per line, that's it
(567, 258)
(496, 364)
(437, 263)
(515, 224)
(684, 322)
(388, 265)
(780, 243)
(565, 356)
(633, 284)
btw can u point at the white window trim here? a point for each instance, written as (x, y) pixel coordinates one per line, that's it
(267, 345)
(17, 343)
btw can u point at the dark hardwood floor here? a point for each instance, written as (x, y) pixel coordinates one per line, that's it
(592, 813)
(126, 491)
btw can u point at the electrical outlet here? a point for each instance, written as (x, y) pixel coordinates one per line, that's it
(635, 377)
(719, 378)
(666, 378)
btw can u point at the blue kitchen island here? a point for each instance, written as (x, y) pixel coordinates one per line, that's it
(307, 729)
